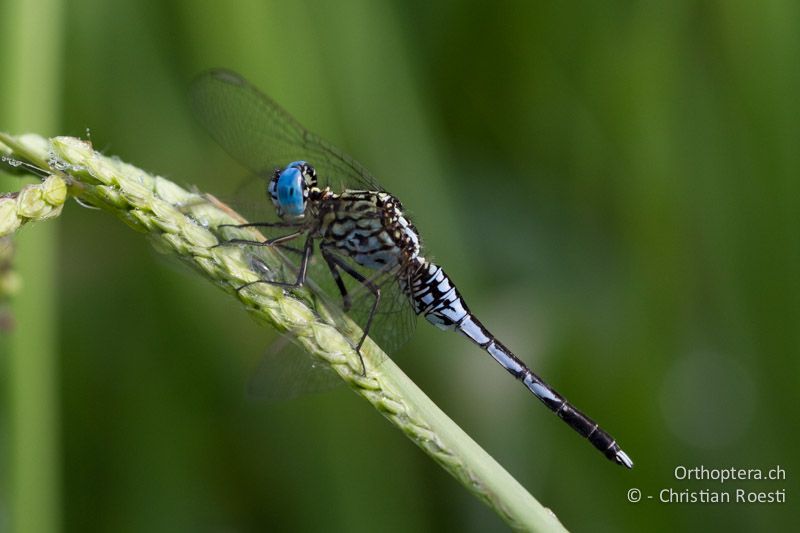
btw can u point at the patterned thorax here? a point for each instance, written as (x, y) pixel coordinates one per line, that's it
(369, 227)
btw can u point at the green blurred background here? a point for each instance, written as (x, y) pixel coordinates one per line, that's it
(614, 187)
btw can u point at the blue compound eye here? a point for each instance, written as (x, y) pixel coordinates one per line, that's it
(290, 191)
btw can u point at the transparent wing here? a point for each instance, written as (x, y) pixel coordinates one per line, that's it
(262, 136)
(287, 371)
(394, 321)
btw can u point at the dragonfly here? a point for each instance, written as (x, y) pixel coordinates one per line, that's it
(357, 228)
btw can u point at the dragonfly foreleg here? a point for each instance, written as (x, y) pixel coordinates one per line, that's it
(279, 224)
(301, 274)
(269, 242)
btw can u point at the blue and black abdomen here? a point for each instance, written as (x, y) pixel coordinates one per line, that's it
(435, 296)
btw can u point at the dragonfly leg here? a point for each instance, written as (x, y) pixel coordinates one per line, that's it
(374, 289)
(292, 249)
(338, 279)
(268, 242)
(279, 224)
(301, 274)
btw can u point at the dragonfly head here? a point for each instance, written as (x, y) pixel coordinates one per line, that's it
(289, 188)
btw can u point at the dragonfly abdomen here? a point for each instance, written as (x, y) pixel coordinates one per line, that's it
(435, 296)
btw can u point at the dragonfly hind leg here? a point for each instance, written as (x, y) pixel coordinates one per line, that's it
(335, 263)
(346, 303)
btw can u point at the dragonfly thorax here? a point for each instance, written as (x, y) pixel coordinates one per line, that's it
(370, 227)
(291, 187)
